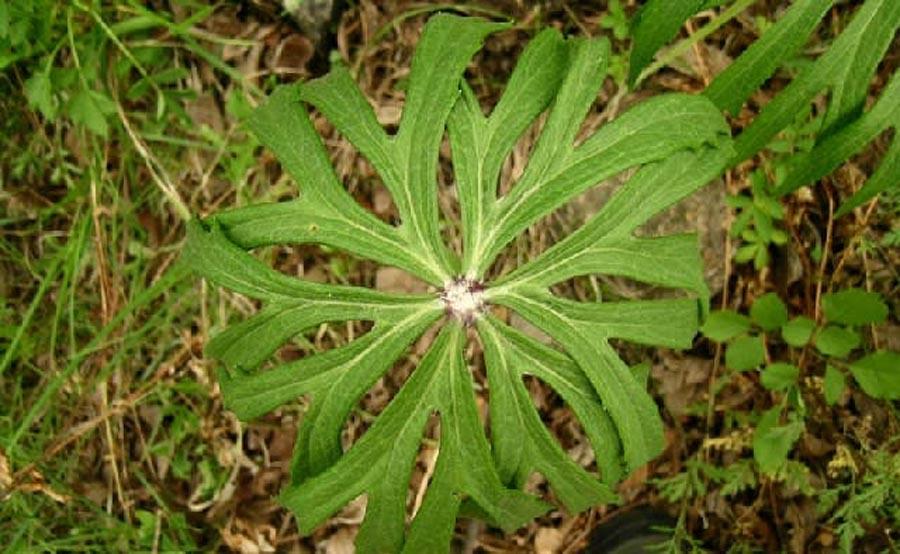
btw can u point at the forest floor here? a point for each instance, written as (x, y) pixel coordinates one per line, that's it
(112, 431)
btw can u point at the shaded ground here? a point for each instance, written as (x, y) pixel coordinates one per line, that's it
(113, 434)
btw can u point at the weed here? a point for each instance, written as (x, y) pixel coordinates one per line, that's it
(676, 138)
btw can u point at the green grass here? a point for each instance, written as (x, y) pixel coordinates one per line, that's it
(101, 411)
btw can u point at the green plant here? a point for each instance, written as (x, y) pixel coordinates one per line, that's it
(799, 363)
(656, 23)
(872, 499)
(756, 222)
(680, 141)
(616, 20)
(73, 71)
(759, 216)
(844, 72)
(835, 339)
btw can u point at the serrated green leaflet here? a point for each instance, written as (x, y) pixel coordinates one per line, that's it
(779, 376)
(797, 331)
(769, 312)
(833, 385)
(722, 325)
(772, 442)
(745, 353)
(854, 307)
(834, 340)
(878, 374)
(678, 142)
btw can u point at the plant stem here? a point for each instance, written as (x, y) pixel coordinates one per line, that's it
(682, 47)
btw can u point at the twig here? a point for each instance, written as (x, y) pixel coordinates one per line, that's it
(711, 392)
(679, 49)
(698, 54)
(157, 172)
(825, 250)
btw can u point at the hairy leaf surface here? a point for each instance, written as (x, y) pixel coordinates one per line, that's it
(678, 143)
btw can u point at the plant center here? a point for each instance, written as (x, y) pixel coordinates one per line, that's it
(464, 299)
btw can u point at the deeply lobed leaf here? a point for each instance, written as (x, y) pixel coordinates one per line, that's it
(680, 140)
(381, 462)
(651, 131)
(480, 144)
(509, 355)
(583, 331)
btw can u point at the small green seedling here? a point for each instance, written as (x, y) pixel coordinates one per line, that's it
(834, 340)
(756, 222)
(679, 143)
(616, 20)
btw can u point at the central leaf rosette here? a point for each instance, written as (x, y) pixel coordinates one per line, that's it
(678, 142)
(463, 299)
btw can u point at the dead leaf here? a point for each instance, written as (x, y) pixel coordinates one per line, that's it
(681, 381)
(547, 540)
(382, 203)
(35, 482)
(5, 473)
(204, 110)
(341, 542)
(633, 484)
(312, 16)
(802, 518)
(293, 52)
(389, 114)
(249, 537)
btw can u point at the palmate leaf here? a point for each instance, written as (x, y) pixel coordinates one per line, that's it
(679, 142)
(558, 170)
